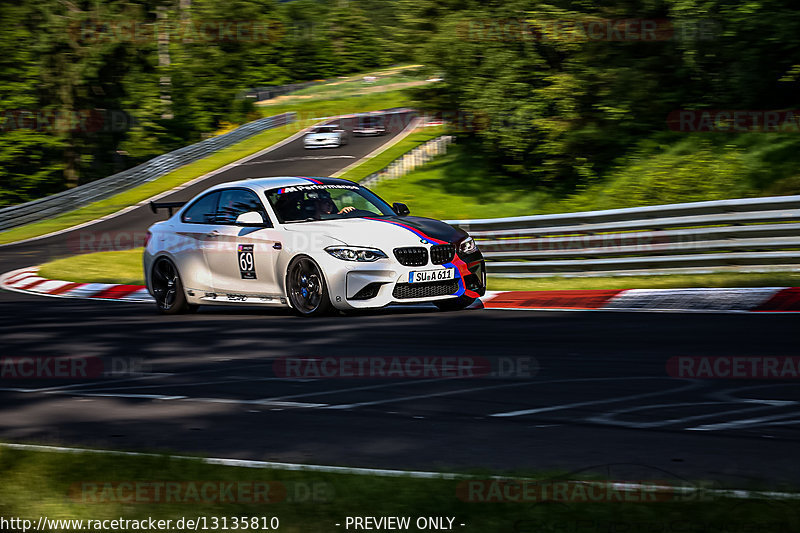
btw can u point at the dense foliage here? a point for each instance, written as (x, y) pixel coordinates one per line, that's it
(558, 107)
(90, 87)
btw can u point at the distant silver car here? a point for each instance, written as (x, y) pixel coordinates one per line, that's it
(327, 136)
(370, 125)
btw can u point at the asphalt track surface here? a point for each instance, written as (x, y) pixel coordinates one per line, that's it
(593, 393)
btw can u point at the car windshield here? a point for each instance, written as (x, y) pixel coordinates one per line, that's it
(307, 203)
(324, 129)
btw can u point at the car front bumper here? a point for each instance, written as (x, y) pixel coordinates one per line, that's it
(385, 282)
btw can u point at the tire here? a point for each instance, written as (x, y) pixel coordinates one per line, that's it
(306, 288)
(455, 304)
(168, 289)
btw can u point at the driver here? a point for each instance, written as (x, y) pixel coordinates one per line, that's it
(325, 206)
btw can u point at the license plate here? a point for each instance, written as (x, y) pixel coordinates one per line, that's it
(423, 276)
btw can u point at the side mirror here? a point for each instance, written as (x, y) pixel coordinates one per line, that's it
(400, 209)
(251, 219)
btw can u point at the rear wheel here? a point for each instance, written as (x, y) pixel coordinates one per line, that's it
(455, 304)
(306, 287)
(168, 289)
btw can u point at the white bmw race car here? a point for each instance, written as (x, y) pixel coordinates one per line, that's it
(326, 136)
(309, 243)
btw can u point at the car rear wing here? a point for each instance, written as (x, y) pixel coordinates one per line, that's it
(154, 207)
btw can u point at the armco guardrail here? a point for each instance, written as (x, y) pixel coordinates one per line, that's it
(750, 234)
(410, 160)
(101, 189)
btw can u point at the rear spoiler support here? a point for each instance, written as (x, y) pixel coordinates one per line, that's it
(154, 207)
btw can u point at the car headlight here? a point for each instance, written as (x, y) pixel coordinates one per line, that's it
(355, 253)
(467, 246)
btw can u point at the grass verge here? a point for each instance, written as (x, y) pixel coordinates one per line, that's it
(308, 111)
(126, 267)
(123, 267)
(88, 487)
(382, 80)
(459, 185)
(674, 169)
(306, 114)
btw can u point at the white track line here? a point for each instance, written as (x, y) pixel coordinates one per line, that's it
(353, 389)
(741, 423)
(85, 384)
(181, 398)
(523, 412)
(608, 418)
(431, 395)
(738, 494)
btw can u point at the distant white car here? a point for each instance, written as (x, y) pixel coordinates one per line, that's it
(327, 136)
(312, 244)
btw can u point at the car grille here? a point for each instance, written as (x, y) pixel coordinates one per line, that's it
(442, 253)
(403, 291)
(412, 256)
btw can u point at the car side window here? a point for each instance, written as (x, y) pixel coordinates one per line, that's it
(234, 202)
(203, 211)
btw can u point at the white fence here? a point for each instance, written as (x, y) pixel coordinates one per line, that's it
(410, 160)
(750, 234)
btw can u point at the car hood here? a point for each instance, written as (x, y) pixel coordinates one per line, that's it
(381, 231)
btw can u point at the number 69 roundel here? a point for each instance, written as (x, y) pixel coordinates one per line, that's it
(247, 265)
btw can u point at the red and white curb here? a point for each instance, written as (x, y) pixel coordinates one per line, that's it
(27, 280)
(758, 299)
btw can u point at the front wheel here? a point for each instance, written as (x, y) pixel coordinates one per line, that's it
(168, 289)
(455, 304)
(306, 287)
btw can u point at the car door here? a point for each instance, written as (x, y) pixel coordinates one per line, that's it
(191, 236)
(243, 260)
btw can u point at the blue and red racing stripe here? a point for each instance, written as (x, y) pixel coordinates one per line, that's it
(457, 263)
(417, 232)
